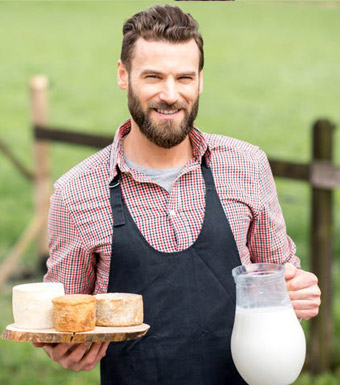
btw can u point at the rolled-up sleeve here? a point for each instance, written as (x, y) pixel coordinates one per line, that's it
(70, 261)
(267, 239)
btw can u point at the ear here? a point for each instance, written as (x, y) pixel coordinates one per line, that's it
(200, 89)
(122, 76)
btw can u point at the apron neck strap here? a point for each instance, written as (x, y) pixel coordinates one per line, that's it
(207, 175)
(116, 199)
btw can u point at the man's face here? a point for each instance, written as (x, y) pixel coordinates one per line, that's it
(163, 85)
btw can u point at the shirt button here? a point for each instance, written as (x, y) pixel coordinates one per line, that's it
(172, 213)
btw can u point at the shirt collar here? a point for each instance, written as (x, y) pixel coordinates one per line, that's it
(199, 143)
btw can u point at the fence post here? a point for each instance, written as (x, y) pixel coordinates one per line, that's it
(321, 252)
(42, 166)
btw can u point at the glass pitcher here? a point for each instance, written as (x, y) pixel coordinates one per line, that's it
(268, 344)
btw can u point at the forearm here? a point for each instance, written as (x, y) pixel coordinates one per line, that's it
(267, 236)
(70, 262)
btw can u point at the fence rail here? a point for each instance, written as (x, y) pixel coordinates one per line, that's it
(71, 137)
(320, 174)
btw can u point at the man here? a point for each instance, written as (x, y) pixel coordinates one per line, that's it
(167, 211)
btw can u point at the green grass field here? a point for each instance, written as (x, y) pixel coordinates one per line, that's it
(271, 70)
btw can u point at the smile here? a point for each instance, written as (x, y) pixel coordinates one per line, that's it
(166, 112)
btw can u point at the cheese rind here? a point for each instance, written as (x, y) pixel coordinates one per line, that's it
(74, 313)
(119, 309)
(32, 304)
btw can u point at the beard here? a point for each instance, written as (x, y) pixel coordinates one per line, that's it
(167, 133)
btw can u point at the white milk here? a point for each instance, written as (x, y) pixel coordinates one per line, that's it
(268, 345)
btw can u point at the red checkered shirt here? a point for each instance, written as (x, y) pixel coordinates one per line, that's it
(80, 217)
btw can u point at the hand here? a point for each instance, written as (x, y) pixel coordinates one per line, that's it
(76, 357)
(304, 291)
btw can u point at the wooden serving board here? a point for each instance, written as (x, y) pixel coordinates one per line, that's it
(98, 334)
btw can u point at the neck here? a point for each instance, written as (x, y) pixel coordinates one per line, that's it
(140, 150)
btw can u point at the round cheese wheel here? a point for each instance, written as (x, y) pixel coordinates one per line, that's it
(74, 313)
(119, 309)
(32, 304)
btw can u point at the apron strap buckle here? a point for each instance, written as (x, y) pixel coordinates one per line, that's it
(114, 184)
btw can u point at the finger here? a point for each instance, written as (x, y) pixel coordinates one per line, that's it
(59, 352)
(307, 314)
(290, 271)
(305, 305)
(73, 357)
(302, 280)
(103, 349)
(56, 351)
(60, 348)
(98, 351)
(105, 346)
(100, 355)
(312, 292)
(92, 353)
(88, 359)
(43, 344)
(91, 366)
(306, 309)
(38, 344)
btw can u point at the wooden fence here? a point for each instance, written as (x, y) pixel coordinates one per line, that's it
(321, 174)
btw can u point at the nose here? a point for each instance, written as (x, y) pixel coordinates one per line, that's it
(169, 92)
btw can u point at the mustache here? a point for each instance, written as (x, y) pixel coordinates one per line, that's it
(166, 106)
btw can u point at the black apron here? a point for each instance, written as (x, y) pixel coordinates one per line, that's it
(189, 301)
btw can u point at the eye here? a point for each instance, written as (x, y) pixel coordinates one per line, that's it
(152, 77)
(186, 78)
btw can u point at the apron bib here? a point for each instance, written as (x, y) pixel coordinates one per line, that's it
(189, 301)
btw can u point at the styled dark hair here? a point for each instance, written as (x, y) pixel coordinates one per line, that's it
(160, 23)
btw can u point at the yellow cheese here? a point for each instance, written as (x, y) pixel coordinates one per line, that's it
(74, 313)
(119, 309)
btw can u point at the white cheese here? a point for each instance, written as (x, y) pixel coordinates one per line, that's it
(32, 304)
